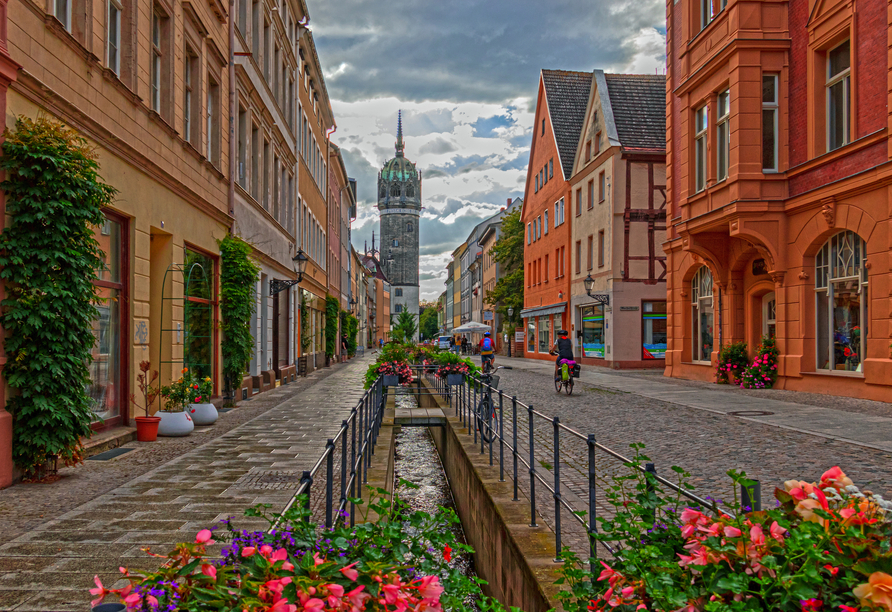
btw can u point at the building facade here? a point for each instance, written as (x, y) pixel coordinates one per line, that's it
(491, 270)
(399, 204)
(560, 113)
(777, 165)
(618, 213)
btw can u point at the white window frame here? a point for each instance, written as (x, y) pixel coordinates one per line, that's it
(701, 127)
(843, 77)
(62, 12)
(545, 221)
(112, 42)
(156, 68)
(772, 108)
(723, 135)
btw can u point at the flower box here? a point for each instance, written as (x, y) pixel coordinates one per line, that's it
(455, 379)
(391, 380)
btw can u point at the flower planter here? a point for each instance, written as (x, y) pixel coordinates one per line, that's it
(175, 424)
(455, 379)
(391, 380)
(147, 428)
(203, 414)
(111, 607)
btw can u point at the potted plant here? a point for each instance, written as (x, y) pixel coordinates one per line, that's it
(200, 407)
(453, 368)
(395, 373)
(175, 421)
(146, 426)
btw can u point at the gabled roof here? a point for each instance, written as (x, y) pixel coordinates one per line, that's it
(567, 95)
(374, 267)
(639, 110)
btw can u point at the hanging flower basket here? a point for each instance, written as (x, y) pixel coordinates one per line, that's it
(391, 380)
(395, 373)
(455, 379)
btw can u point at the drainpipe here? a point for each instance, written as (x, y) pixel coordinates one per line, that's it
(233, 151)
(721, 318)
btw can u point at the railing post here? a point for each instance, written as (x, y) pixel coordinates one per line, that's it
(751, 497)
(343, 499)
(592, 508)
(307, 478)
(367, 439)
(501, 438)
(329, 481)
(473, 417)
(557, 489)
(352, 465)
(650, 468)
(532, 469)
(514, 440)
(360, 451)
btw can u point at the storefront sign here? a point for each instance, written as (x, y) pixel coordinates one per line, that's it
(518, 336)
(487, 315)
(629, 308)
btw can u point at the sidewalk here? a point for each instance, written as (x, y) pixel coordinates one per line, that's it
(866, 430)
(52, 567)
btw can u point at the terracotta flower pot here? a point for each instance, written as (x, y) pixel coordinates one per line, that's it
(147, 428)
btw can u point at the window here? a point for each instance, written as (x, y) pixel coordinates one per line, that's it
(266, 163)
(537, 182)
(529, 233)
(398, 292)
(243, 18)
(593, 331)
(199, 313)
(578, 256)
(409, 227)
(398, 308)
(544, 334)
(190, 108)
(396, 243)
(602, 186)
(700, 124)
(838, 95)
(538, 228)
(653, 330)
(531, 335)
(597, 143)
(63, 13)
(601, 248)
(257, 14)
(590, 251)
(841, 303)
(156, 62)
(551, 168)
(578, 201)
(114, 37)
(545, 174)
(769, 122)
(709, 9)
(546, 222)
(701, 315)
(545, 270)
(591, 194)
(543, 127)
(562, 261)
(723, 135)
(588, 151)
(242, 147)
(265, 58)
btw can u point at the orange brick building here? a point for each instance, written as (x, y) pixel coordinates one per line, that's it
(560, 113)
(778, 170)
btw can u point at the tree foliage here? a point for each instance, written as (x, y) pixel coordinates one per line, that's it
(238, 279)
(352, 328)
(49, 258)
(508, 253)
(306, 337)
(405, 327)
(428, 323)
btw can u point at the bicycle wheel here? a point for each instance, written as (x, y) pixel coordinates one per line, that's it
(569, 387)
(557, 384)
(484, 420)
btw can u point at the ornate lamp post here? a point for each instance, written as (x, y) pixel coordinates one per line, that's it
(601, 298)
(299, 261)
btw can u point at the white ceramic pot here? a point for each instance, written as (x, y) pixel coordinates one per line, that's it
(175, 424)
(203, 414)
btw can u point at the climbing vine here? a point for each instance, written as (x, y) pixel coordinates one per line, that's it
(238, 280)
(49, 258)
(332, 311)
(352, 327)
(305, 336)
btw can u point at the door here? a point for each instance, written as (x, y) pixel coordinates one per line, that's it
(769, 315)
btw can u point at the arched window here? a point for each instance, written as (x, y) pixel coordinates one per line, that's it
(701, 315)
(410, 191)
(841, 303)
(395, 191)
(383, 192)
(409, 227)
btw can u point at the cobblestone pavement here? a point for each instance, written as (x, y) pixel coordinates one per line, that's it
(100, 516)
(705, 443)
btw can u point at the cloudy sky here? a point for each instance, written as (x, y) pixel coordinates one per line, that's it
(465, 75)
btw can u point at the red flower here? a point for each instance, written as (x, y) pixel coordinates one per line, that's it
(833, 570)
(447, 553)
(847, 352)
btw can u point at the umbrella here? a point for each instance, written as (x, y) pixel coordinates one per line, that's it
(471, 327)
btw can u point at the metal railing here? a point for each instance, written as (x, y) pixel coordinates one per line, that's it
(465, 399)
(353, 446)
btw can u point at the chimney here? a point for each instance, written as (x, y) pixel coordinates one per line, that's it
(509, 202)
(502, 209)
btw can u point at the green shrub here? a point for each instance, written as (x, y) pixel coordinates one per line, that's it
(332, 313)
(733, 359)
(49, 258)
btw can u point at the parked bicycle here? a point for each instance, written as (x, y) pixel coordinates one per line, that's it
(487, 418)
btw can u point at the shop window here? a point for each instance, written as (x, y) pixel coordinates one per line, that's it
(701, 315)
(839, 93)
(106, 389)
(593, 331)
(531, 335)
(769, 122)
(841, 303)
(723, 134)
(199, 276)
(653, 330)
(544, 334)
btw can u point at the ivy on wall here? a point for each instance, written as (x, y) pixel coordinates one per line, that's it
(352, 328)
(332, 311)
(238, 281)
(49, 258)
(306, 337)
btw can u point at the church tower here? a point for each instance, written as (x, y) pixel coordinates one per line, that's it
(399, 203)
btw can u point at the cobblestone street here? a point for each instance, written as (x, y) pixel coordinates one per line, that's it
(100, 515)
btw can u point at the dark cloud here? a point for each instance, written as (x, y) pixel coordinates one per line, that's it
(438, 146)
(470, 50)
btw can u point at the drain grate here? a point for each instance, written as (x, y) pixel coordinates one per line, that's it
(751, 413)
(110, 454)
(272, 480)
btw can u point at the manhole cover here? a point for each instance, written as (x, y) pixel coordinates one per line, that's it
(750, 413)
(273, 480)
(110, 454)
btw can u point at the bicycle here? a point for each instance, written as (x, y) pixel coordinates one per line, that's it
(488, 366)
(487, 419)
(565, 385)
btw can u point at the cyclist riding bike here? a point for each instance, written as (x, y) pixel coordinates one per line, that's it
(487, 351)
(563, 348)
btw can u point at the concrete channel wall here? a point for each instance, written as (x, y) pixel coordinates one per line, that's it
(515, 559)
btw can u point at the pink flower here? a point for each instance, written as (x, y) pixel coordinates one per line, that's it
(209, 571)
(204, 537)
(314, 605)
(317, 560)
(731, 532)
(100, 591)
(809, 605)
(266, 550)
(133, 600)
(777, 532)
(757, 537)
(349, 572)
(336, 590)
(247, 551)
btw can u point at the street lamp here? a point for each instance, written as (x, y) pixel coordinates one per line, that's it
(601, 298)
(510, 339)
(352, 305)
(299, 262)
